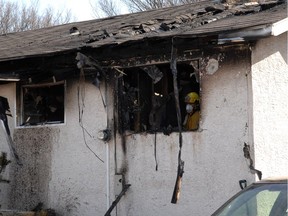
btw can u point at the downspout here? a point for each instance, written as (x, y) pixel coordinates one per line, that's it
(107, 152)
(107, 176)
(105, 135)
(125, 186)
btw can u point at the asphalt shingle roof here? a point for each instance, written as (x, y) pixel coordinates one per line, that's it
(196, 19)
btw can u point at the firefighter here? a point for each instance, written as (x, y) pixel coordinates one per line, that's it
(191, 121)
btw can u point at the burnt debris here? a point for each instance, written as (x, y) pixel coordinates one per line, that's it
(4, 112)
(146, 100)
(247, 155)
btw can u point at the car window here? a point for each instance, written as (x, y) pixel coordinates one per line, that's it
(265, 201)
(258, 200)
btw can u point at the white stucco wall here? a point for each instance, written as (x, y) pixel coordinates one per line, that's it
(78, 185)
(61, 172)
(213, 156)
(270, 100)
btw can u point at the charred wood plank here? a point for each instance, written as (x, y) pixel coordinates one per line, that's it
(115, 202)
(180, 169)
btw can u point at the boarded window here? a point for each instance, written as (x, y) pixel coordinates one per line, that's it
(146, 96)
(42, 104)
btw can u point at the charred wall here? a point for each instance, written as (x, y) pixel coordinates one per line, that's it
(30, 182)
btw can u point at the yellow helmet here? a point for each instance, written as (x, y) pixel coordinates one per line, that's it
(192, 97)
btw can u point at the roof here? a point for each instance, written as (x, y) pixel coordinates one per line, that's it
(190, 20)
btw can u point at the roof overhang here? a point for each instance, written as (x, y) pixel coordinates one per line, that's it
(256, 32)
(12, 79)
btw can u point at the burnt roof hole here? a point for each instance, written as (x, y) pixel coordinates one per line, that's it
(214, 10)
(74, 31)
(164, 27)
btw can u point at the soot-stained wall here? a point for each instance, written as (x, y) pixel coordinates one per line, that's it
(62, 172)
(30, 182)
(213, 155)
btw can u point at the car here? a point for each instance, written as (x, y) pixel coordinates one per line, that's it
(267, 197)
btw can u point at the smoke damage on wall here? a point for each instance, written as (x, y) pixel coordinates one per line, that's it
(31, 181)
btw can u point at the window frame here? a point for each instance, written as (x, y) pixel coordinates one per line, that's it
(20, 104)
(195, 64)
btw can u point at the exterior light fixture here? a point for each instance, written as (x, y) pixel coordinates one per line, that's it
(212, 66)
(104, 135)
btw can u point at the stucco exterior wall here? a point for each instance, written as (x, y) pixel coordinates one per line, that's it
(77, 186)
(213, 156)
(60, 171)
(58, 168)
(270, 99)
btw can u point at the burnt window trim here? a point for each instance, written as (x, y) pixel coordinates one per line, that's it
(194, 63)
(20, 105)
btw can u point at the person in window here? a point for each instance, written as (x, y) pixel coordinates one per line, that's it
(191, 121)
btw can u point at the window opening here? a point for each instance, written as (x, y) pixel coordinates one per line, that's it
(42, 104)
(146, 100)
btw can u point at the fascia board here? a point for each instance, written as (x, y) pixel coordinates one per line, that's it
(279, 27)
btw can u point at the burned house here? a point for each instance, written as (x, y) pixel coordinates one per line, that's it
(98, 109)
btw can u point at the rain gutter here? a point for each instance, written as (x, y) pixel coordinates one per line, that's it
(259, 32)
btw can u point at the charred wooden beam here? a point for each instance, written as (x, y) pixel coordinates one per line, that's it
(130, 54)
(115, 202)
(180, 169)
(152, 59)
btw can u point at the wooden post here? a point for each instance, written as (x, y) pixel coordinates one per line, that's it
(180, 169)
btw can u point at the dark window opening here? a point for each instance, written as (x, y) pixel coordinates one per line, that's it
(42, 104)
(146, 100)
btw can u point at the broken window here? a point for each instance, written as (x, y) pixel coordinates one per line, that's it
(42, 104)
(146, 97)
